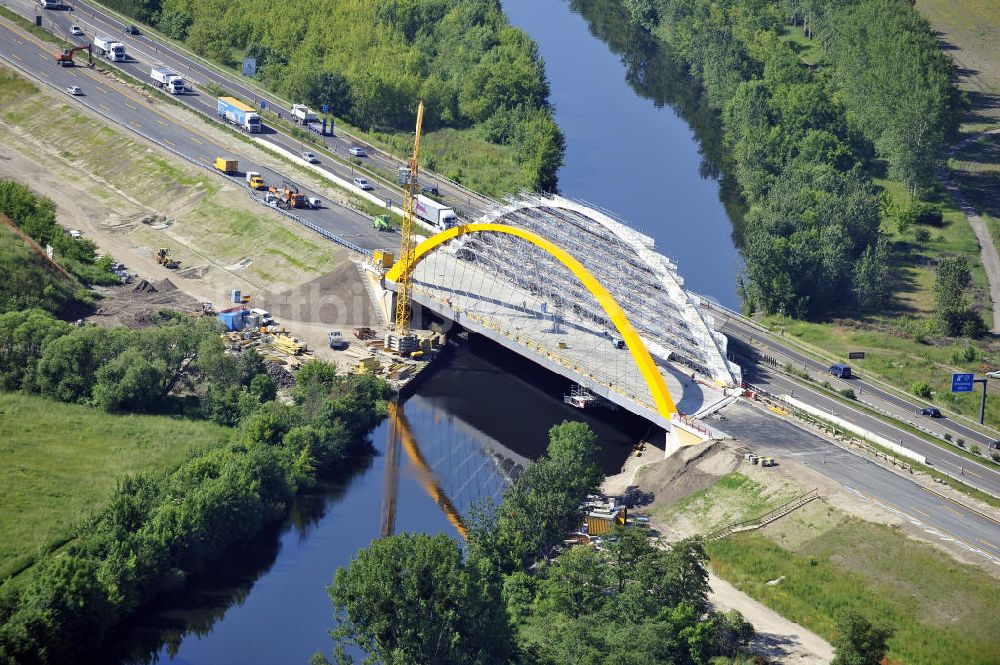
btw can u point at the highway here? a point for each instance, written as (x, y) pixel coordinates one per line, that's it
(144, 52)
(939, 517)
(148, 117)
(980, 476)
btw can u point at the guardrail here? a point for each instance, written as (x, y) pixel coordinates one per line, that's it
(250, 192)
(869, 378)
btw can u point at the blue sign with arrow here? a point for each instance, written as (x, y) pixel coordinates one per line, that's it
(961, 383)
(325, 108)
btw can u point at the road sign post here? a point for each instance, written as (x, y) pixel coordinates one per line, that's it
(856, 355)
(962, 383)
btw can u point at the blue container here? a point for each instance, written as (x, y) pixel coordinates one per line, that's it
(233, 319)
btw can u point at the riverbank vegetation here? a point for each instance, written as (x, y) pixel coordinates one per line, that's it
(371, 62)
(513, 599)
(804, 142)
(105, 508)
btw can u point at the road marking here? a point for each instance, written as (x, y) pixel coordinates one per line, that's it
(917, 510)
(101, 90)
(106, 108)
(973, 473)
(161, 122)
(197, 141)
(46, 75)
(136, 108)
(135, 124)
(961, 505)
(953, 510)
(986, 542)
(169, 142)
(17, 56)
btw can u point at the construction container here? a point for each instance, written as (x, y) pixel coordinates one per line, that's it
(234, 318)
(236, 297)
(601, 522)
(368, 365)
(228, 166)
(383, 259)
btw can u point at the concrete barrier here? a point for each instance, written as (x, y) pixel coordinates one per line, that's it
(877, 439)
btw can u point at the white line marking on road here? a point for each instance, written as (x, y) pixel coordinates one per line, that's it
(131, 106)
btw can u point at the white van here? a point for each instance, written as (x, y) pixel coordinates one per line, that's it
(265, 316)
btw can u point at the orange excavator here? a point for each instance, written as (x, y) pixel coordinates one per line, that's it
(288, 196)
(64, 58)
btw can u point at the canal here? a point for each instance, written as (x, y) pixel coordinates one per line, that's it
(639, 143)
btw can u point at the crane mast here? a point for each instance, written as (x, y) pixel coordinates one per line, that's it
(400, 339)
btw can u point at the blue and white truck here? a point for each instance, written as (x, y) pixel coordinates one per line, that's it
(237, 113)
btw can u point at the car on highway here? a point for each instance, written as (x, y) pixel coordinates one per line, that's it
(357, 151)
(931, 412)
(430, 189)
(132, 30)
(310, 157)
(841, 371)
(363, 184)
(75, 30)
(74, 90)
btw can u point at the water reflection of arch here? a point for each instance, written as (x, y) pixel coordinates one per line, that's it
(484, 465)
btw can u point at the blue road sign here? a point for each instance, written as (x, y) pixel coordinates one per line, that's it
(325, 108)
(961, 383)
(263, 104)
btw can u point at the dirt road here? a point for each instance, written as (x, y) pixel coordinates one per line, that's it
(777, 638)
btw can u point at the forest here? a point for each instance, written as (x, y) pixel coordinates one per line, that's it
(371, 61)
(804, 140)
(154, 532)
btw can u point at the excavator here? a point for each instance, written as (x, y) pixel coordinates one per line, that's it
(64, 58)
(288, 195)
(163, 258)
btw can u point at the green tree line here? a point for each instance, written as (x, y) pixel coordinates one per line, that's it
(511, 598)
(156, 532)
(372, 60)
(801, 140)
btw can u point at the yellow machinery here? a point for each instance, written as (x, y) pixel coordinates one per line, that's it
(382, 258)
(163, 258)
(400, 339)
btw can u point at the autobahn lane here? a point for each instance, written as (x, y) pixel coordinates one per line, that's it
(148, 51)
(979, 475)
(972, 473)
(899, 407)
(129, 108)
(937, 515)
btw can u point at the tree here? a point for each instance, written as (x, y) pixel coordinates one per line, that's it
(952, 312)
(859, 641)
(130, 382)
(871, 276)
(411, 598)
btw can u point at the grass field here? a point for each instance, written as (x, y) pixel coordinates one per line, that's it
(942, 611)
(59, 462)
(734, 498)
(970, 31)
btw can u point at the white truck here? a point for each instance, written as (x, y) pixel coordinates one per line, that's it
(436, 214)
(302, 114)
(109, 48)
(168, 80)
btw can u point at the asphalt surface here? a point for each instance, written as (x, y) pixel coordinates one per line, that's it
(145, 52)
(130, 109)
(977, 475)
(940, 517)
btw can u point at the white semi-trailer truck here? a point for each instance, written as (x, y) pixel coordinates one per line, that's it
(434, 213)
(110, 48)
(168, 80)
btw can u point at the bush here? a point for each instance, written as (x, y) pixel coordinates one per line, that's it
(921, 389)
(922, 235)
(974, 449)
(996, 457)
(848, 393)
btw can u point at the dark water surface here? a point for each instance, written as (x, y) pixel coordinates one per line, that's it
(639, 143)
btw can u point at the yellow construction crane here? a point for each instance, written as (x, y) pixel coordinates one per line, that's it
(400, 339)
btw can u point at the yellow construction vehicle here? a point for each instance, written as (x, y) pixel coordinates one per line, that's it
(255, 180)
(163, 258)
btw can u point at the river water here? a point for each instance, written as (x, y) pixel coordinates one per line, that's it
(639, 143)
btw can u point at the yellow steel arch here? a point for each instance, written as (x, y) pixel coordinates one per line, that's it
(654, 380)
